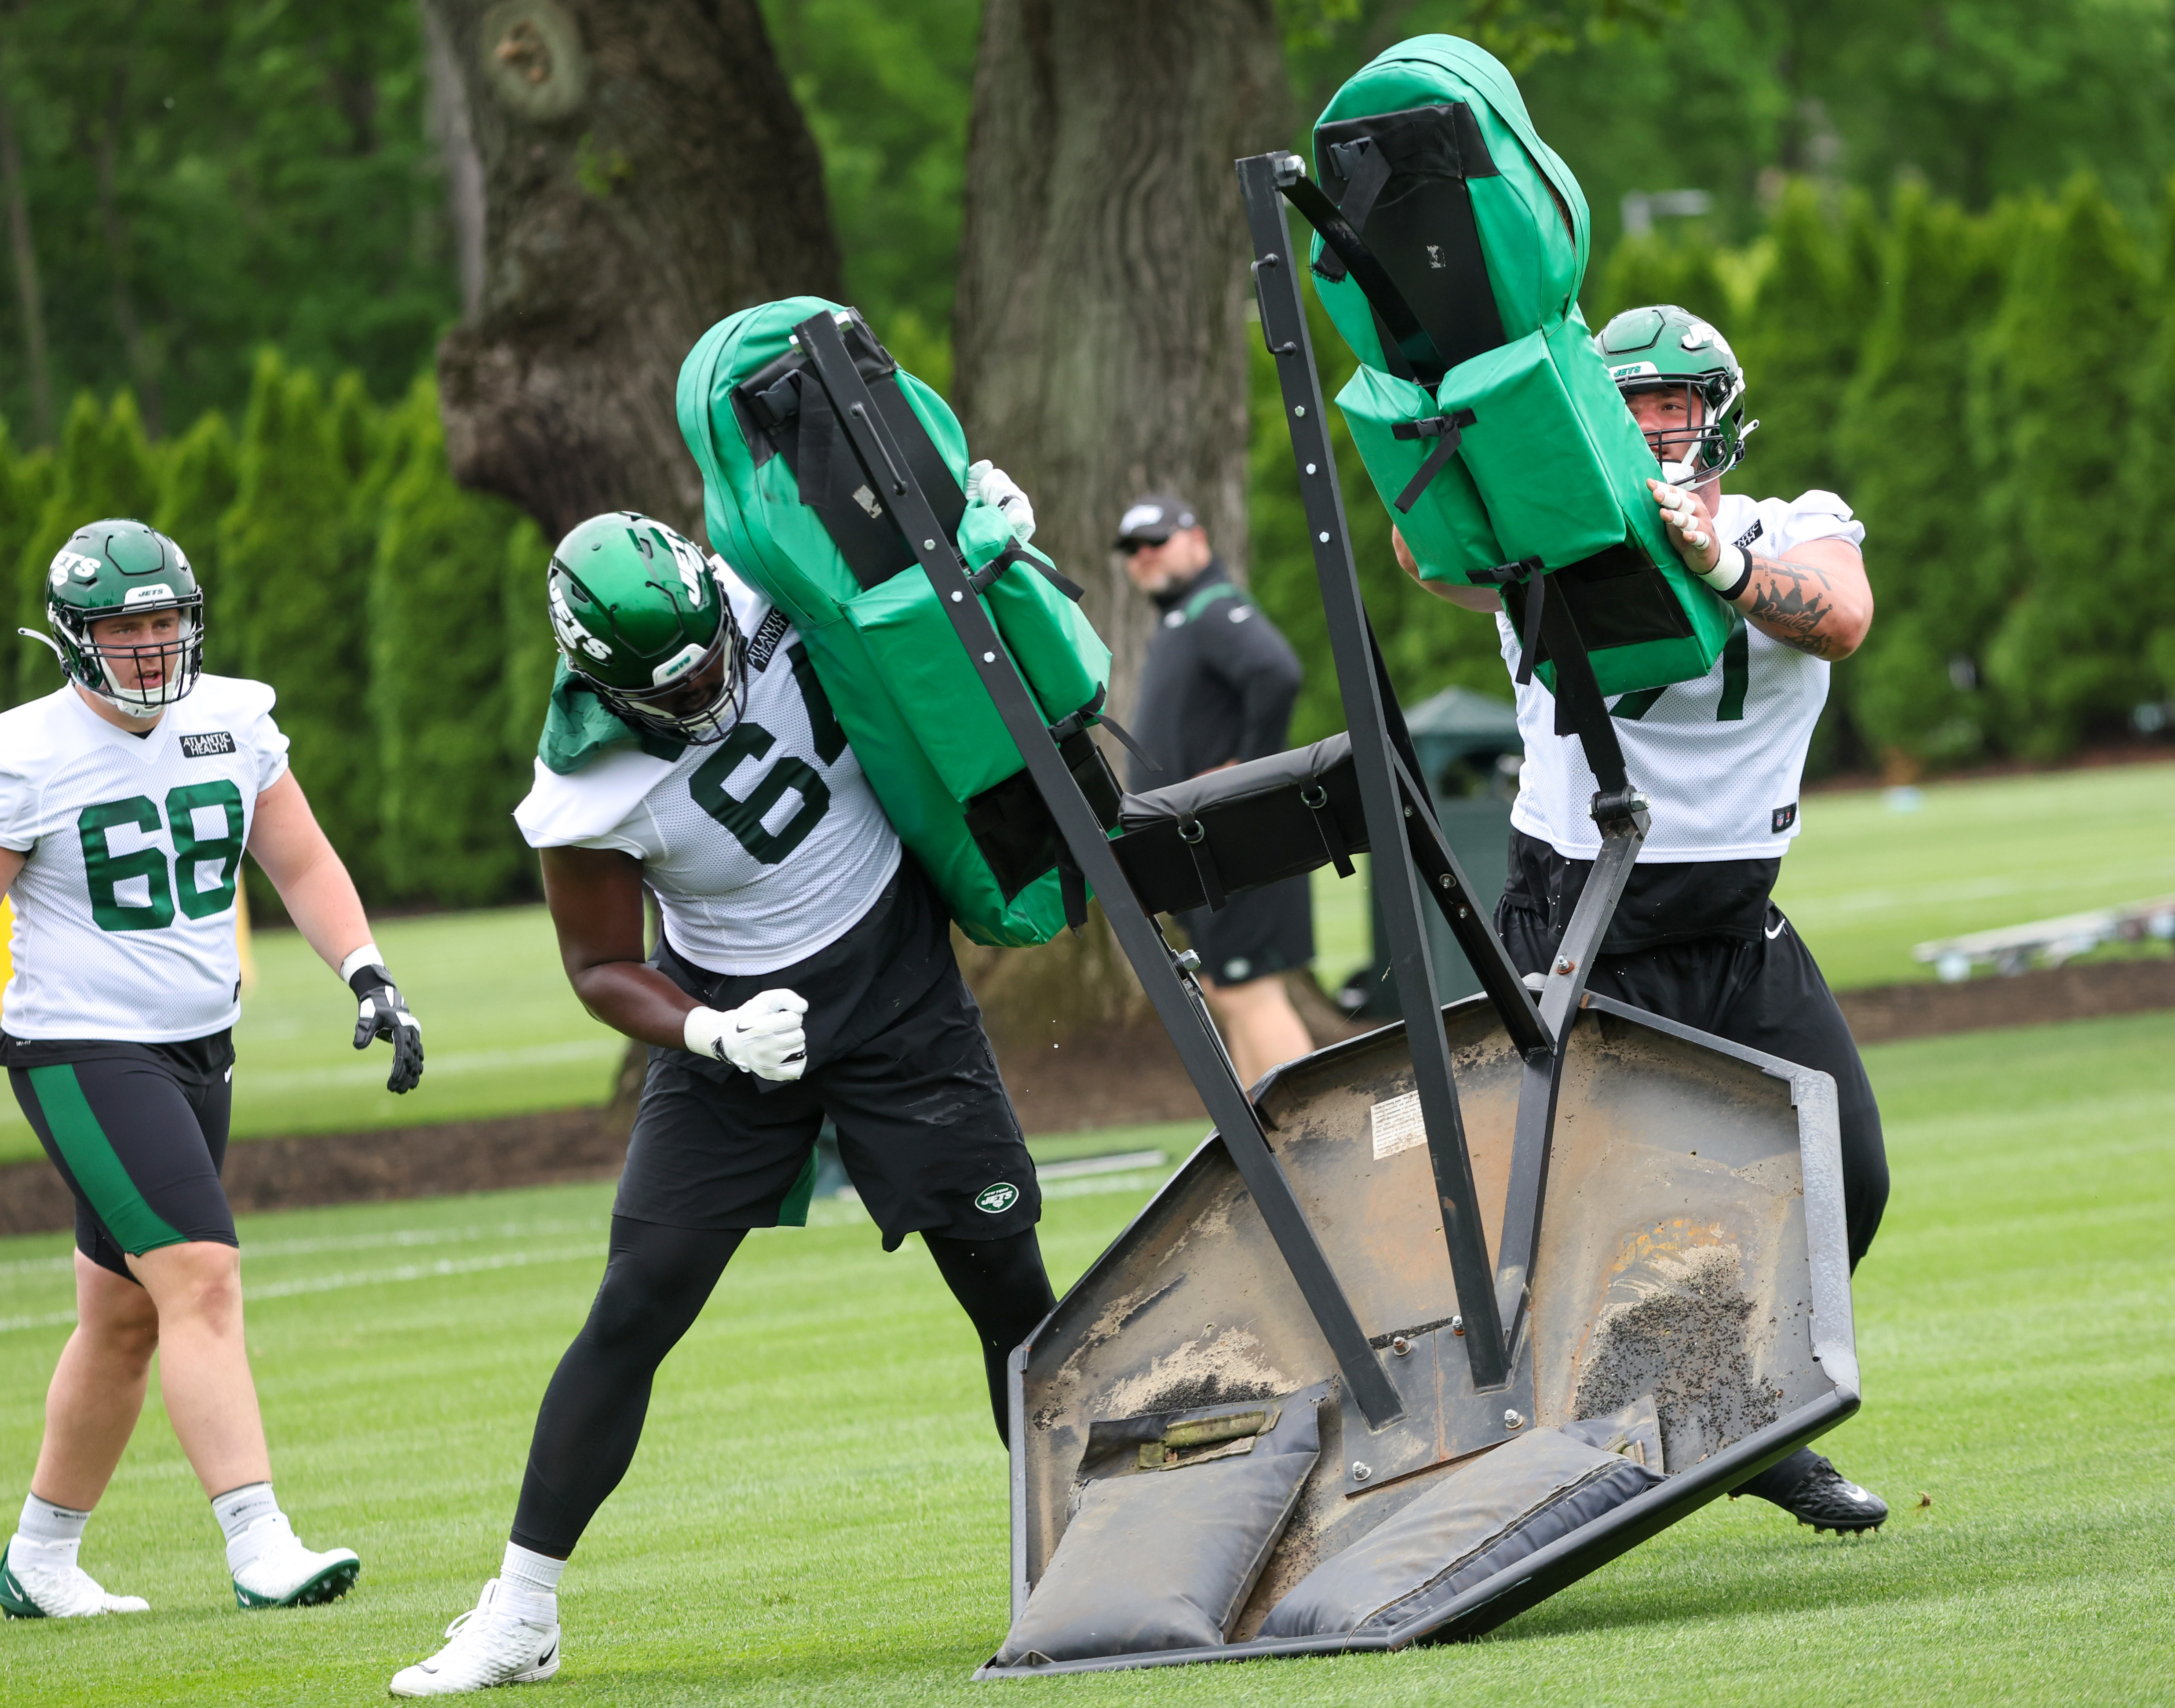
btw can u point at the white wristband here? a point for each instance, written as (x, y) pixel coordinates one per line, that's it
(366, 955)
(1728, 571)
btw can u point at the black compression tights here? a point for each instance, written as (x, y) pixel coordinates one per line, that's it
(655, 1285)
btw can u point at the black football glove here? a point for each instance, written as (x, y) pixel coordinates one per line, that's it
(381, 1013)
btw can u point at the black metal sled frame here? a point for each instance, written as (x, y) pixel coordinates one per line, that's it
(1493, 1298)
(1178, 1001)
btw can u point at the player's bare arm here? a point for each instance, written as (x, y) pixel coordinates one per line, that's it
(11, 863)
(595, 898)
(320, 897)
(1472, 598)
(1816, 600)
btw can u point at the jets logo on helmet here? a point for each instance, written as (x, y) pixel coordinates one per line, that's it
(1662, 347)
(119, 568)
(641, 617)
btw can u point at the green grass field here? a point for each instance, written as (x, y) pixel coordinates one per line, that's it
(1863, 883)
(818, 1512)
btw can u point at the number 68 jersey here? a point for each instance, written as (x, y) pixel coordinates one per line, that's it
(761, 849)
(124, 909)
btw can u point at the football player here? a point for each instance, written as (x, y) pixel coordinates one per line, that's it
(804, 968)
(127, 798)
(1696, 937)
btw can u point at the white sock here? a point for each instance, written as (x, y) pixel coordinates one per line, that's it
(240, 1508)
(54, 1532)
(535, 1575)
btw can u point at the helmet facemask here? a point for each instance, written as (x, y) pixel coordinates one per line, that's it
(1712, 448)
(112, 670)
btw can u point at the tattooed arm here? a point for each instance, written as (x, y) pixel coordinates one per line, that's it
(1817, 599)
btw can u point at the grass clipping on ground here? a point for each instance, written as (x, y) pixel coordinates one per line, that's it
(817, 1514)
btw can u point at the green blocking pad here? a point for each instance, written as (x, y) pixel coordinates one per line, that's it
(1431, 156)
(903, 687)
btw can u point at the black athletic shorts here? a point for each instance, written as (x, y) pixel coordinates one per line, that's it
(1763, 991)
(1250, 936)
(897, 1058)
(138, 1130)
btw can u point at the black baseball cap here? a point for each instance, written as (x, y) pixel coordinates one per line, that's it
(1152, 519)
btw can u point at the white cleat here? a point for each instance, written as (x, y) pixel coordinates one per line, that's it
(505, 1639)
(279, 1572)
(41, 1581)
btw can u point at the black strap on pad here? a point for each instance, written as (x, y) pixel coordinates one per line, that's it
(1343, 241)
(1194, 835)
(1446, 430)
(1316, 799)
(1403, 179)
(1365, 168)
(781, 408)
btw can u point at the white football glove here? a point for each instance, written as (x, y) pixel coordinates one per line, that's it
(763, 1036)
(987, 484)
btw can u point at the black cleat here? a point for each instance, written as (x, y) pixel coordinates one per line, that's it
(1813, 1492)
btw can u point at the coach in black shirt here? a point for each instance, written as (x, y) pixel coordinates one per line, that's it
(1217, 688)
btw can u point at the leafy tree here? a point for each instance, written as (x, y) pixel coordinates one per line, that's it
(202, 475)
(438, 661)
(2053, 410)
(26, 481)
(301, 620)
(205, 175)
(1982, 99)
(887, 88)
(2142, 583)
(1799, 342)
(106, 468)
(1908, 468)
(1659, 268)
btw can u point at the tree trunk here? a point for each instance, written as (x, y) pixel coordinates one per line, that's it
(644, 171)
(28, 297)
(1100, 331)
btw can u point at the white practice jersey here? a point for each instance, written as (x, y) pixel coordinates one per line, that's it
(1721, 758)
(761, 849)
(124, 911)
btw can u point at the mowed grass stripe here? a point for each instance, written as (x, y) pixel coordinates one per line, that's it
(818, 1513)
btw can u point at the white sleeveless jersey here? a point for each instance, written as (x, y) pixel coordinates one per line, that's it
(761, 849)
(1721, 758)
(124, 911)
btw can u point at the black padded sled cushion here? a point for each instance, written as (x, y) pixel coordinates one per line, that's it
(1164, 1559)
(1195, 843)
(1477, 1521)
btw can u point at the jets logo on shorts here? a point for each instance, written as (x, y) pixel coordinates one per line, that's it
(997, 1198)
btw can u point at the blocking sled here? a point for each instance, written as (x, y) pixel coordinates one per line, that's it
(1437, 1320)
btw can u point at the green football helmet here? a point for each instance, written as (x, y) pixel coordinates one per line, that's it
(122, 568)
(1660, 347)
(642, 618)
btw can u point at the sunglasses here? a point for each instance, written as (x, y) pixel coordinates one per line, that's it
(1133, 548)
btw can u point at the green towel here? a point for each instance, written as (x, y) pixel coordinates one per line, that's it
(579, 726)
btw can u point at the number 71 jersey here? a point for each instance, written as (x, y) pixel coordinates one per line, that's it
(124, 910)
(761, 849)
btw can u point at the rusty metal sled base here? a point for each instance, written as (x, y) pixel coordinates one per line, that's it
(1189, 1481)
